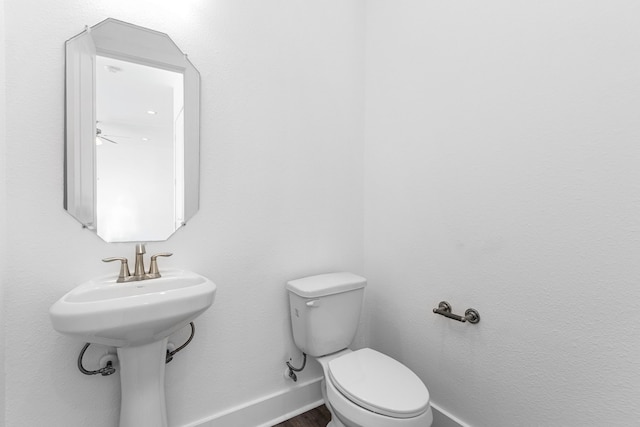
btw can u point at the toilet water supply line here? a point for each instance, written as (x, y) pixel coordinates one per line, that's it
(109, 369)
(292, 370)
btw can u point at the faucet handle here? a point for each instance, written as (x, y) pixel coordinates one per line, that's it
(124, 267)
(153, 268)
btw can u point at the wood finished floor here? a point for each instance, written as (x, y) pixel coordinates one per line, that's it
(318, 417)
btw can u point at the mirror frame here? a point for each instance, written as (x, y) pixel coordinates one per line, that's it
(134, 44)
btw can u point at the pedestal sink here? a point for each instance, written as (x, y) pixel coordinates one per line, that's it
(137, 318)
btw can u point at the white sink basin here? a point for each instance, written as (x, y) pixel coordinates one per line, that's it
(102, 311)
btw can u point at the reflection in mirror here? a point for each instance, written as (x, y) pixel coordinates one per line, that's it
(132, 133)
(138, 112)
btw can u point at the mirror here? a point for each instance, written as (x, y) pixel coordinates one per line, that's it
(132, 133)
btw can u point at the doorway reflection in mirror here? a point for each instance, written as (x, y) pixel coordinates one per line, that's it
(139, 111)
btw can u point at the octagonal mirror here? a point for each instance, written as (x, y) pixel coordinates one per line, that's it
(132, 133)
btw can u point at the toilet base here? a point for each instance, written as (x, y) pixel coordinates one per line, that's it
(335, 422)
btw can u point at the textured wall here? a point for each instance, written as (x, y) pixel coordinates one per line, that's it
(282, 96)
(502, 174)
(3, 207)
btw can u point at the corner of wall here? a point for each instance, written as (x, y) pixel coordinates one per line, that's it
(3, 205)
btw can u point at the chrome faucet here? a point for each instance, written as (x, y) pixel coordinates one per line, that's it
(138, 272)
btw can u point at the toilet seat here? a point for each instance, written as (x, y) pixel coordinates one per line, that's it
(379, 384)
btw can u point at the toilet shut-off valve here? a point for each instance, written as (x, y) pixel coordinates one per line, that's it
(291, 371)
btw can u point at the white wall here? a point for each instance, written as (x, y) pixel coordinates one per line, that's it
(501, 173)
(3, 207)
(282, 96)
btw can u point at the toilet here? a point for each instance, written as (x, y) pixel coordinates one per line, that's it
(361, 388)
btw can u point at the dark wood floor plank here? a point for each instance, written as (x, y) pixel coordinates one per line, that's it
(318, 417)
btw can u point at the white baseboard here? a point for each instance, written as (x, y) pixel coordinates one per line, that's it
(443, 418)
(268, 410)
(275, 408)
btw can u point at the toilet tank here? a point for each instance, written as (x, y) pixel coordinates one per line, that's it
(325, 311)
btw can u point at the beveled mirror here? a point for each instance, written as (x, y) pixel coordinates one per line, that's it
(132, 133)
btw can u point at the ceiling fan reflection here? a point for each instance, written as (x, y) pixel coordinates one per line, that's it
(100, 137)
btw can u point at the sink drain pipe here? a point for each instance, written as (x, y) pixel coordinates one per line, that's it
(109, 369)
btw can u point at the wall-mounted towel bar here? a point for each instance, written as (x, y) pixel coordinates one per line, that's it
(471, 315)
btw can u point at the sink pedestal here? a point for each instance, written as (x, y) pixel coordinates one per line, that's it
(142, 381)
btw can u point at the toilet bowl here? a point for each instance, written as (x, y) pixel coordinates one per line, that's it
(365, 388)
(361, 388)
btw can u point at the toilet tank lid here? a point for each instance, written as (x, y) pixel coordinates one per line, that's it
(326, 284)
